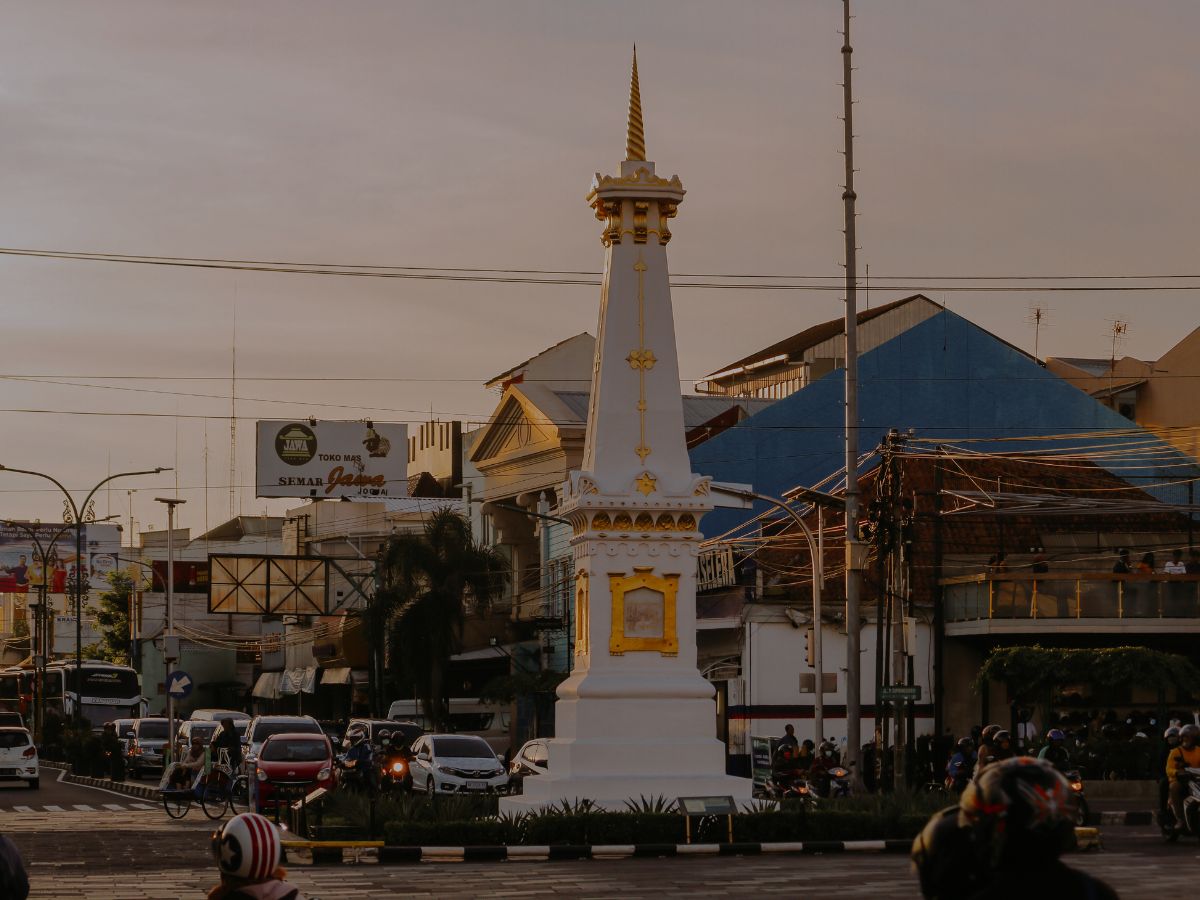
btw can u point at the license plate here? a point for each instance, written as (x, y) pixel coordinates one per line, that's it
(476, 785)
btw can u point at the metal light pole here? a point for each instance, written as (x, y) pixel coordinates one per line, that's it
(170, 647)
(78, 515)
(818, 579)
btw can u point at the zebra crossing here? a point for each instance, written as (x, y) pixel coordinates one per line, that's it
(78, 807)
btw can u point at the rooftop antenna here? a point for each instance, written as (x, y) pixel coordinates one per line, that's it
(1037, 318)
(233, 413)
(1118, 328)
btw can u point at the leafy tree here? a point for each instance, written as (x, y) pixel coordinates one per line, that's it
(428, 582)
(112, 620)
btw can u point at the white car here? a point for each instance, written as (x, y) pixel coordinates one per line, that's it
(456, 764)
(532, 759)
(18, 757)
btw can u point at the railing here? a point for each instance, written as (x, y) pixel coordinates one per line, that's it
(1071, 595)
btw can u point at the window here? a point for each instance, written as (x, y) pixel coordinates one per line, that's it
(152, 729)
(295, 751)
(11, 739)
(266, 729)
(463, 748)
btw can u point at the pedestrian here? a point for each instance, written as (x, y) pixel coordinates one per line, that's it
(248, 855)
(14, 883)
(110, 745)
(227, 739)
(1146, 566)
(788, 740)
(1176, 565)
(1040, 564)
(1122, 566)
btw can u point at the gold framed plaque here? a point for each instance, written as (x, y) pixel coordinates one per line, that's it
(643, 612)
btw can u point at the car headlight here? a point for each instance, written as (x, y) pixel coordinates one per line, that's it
(323, 774)
(260, 774)
(446, 770)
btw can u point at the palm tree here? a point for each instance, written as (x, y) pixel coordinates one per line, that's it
(427, 583)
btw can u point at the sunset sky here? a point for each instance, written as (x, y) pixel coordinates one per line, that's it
(1023, 138)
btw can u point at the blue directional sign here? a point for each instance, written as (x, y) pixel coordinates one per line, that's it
(179, 684)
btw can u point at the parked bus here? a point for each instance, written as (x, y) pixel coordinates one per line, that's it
(467, 716)
(109, 691)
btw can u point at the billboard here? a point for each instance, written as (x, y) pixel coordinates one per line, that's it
(21, 565)
(331, 460)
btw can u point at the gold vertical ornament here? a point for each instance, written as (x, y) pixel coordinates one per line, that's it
(641, 359)
(635, 139)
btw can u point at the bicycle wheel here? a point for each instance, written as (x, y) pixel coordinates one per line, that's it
(177, 803)
(239, 797)
(214, 798)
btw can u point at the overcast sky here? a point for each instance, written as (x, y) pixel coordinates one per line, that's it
(1029, 137)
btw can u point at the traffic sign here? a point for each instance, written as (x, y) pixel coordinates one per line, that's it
(179, 684)
(892, 693)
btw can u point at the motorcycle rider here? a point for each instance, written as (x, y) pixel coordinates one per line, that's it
(987, 747)
(1185, 756)
(1170, 741)
(942, 858)
(826, 760)
(1002, 747)
(958, 770)
(1020, 815)
(1055, 752)
(248, 854)
(360, 759)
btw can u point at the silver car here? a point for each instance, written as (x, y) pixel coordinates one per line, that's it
(456, 764)
(146, 746)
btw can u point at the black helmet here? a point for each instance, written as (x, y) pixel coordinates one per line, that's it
(941, 856)
(1020, 811)
(1172, 732)
(1110, 731)
(1001, 736)
(1192, 731)
(988, 735)
(966, 745)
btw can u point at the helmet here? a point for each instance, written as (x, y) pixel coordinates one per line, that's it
(941, 855)
(827, 748)
(1020, 811)
(247, 846)
(1192, 731)
(1055, 734)
(1001, 736)
(1172, 732)
(966, 745)
(989, 733)
(1110, 731)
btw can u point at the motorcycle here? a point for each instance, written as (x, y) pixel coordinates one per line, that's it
(355, 775)
(1191, 810)
(791, 784)
(833, 782)
(394, 773)
(1076, 781)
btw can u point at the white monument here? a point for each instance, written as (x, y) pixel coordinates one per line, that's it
(635, 718)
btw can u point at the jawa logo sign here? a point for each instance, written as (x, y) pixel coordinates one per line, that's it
(332, 459)
(296, 444)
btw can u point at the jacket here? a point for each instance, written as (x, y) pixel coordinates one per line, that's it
(1181, 758)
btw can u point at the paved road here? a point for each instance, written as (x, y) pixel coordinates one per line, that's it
(105, 853)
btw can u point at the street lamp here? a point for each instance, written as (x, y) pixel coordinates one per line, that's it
(76, 516)
(170, 647)
(818, 578)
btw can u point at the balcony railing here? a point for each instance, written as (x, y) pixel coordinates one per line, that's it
(1071, 595)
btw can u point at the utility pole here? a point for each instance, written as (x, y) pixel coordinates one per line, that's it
(855, 555)
(170, 644)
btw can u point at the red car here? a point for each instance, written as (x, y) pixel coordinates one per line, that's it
(292, 764)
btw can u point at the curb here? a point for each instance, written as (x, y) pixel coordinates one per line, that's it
(1144, 817)
(121, 787)
(560, 852)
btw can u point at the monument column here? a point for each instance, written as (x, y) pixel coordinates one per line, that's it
(635, 718)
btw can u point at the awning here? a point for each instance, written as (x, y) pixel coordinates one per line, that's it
(301, 678)
(339, 675)
(267, 686)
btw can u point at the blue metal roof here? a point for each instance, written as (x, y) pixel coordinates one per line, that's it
(950, 381)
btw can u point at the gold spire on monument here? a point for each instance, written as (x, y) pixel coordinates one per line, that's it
(635, 140)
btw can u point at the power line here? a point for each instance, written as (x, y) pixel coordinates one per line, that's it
(591, 279)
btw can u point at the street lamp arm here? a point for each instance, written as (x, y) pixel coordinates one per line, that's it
(104, 481)
(58, 484)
